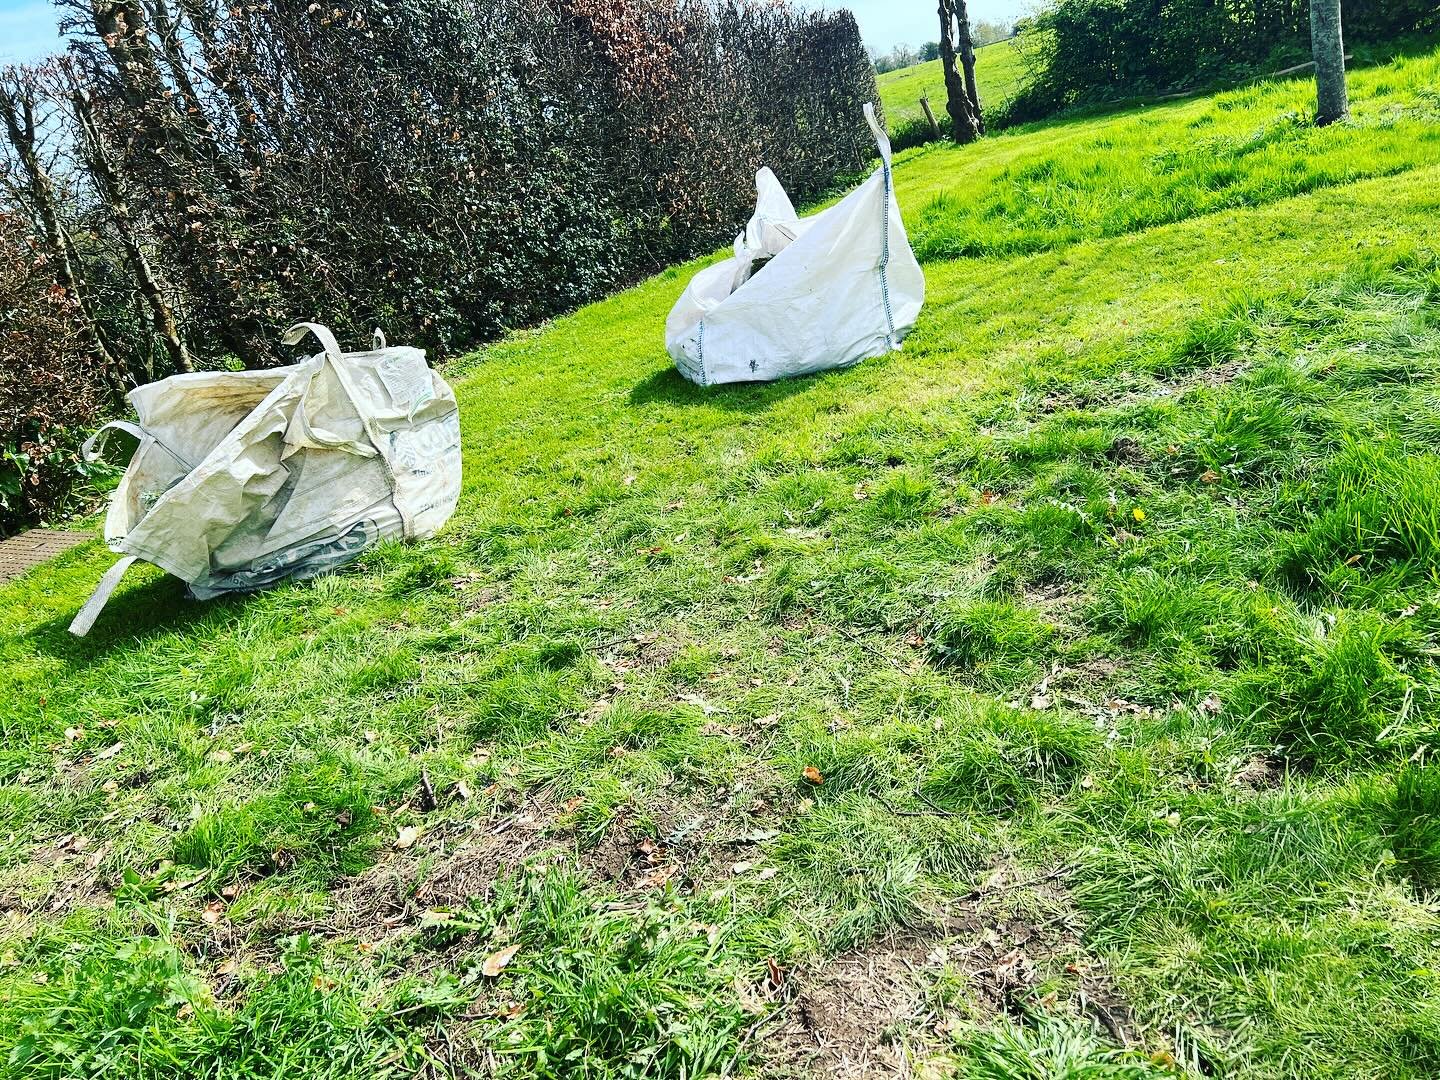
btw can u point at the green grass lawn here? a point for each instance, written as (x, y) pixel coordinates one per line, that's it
(999, 69)
(1055, 697)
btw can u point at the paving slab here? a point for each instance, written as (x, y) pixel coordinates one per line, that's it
(30, 549)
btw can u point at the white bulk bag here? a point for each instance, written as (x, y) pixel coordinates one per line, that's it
(243, 478)
(838, 286)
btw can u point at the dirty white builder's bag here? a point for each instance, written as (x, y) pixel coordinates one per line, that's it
(243, 478)
(802, 294)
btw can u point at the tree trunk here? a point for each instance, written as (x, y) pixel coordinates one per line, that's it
(1328, 47)
(967, 62)
(964, 125)
(17, 110)
(101, 168)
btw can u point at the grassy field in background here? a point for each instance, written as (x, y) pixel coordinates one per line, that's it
(1054, 697)
(999, 69)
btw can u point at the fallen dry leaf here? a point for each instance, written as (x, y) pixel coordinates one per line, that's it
(766, 874)
(497, 962)
(407, 837)
(814, 775)
(74, 733)
(212, 913)
(1209, 476)
(110, 751)
(220, 756)
(775, 973)
(462, 789)
(657, 877)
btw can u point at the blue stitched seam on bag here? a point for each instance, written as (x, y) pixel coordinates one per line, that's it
(884, 262)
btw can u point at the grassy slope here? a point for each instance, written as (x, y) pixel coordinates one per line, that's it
(998, 71)
(1105, 608)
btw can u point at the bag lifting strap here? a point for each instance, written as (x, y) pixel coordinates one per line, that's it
(100, 597)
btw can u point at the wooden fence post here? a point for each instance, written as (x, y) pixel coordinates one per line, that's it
(930, 116)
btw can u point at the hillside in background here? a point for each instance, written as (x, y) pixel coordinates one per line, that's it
(999, 70)
(1054, 696)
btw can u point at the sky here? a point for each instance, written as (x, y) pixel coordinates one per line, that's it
(27, 27)
(887, 23)
(27, 30)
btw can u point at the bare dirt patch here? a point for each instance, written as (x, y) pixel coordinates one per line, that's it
(1212, 377)
(453, 864)
(644, 651)
(892, 1007)
(1084, 686)
(861, 1014)
(1259, 772)
(694, 837)
(58, 877)
(1126, 451)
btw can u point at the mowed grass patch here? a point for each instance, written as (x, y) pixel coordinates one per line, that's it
(1056, 184)
(1112, 590)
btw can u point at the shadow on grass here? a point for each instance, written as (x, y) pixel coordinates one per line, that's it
(669, 387)
(156, 607)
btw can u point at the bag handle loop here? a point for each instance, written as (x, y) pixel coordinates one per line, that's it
(94, 446)
(296, 334)
(881, 139)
